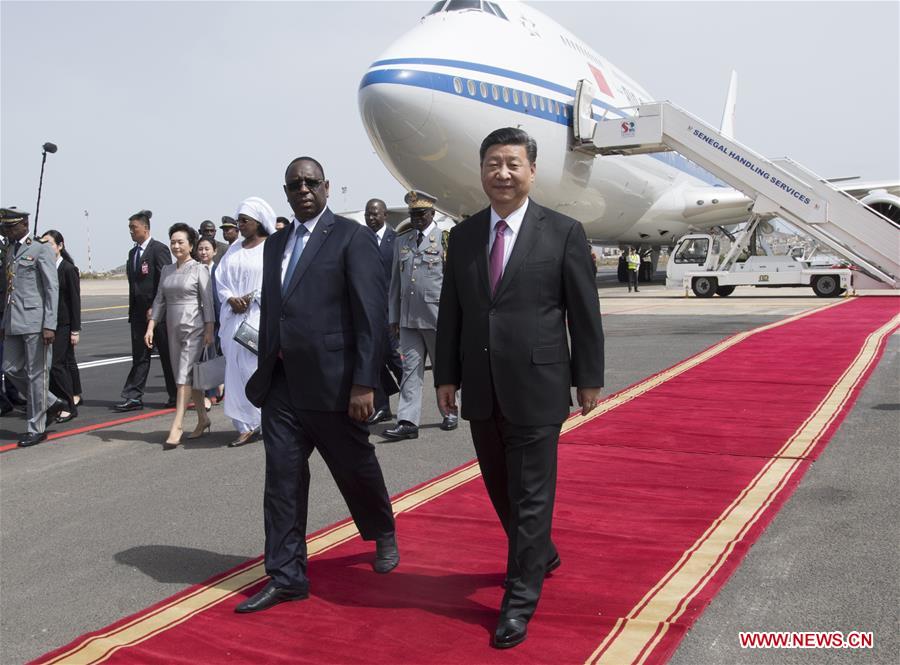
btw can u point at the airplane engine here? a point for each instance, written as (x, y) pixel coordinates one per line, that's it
(885, 203)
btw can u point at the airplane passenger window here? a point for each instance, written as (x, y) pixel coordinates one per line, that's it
(437, 7)
(541, 100)
(516, 97)
(457, 85)
(458, 5)
(565, 111)
(525, 99)
(506, 95)
(534, 101)
(483, 87)
(495, 92)
(471, 86)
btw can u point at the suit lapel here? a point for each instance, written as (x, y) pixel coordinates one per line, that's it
(313, 245)
(528, 235)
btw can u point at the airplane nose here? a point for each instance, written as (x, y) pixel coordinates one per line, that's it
(395, 104)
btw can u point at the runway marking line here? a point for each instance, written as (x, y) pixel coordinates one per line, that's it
(633, 637)
(103, 309)
(90, 428)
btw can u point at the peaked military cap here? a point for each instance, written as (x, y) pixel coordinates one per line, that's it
(417, 199)
(10, 216)
(227, 222)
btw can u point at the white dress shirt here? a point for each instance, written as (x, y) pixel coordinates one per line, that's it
(292, 240)
(513, 225)
(380, 234)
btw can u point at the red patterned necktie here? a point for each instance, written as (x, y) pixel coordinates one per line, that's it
(497, 250)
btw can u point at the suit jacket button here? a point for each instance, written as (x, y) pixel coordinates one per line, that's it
(282, 317)
(492, 312)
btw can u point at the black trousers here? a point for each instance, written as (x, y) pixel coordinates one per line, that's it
(290, 436)
(60, 376)
(140, 360)
(518, 464)
(633, 280)
(391, 371)
(72, 366)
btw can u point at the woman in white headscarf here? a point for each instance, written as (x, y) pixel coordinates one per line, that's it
(239, 284)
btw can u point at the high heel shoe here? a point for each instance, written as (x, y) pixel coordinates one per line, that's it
(172, 445)
(244, 438)
(202, 428)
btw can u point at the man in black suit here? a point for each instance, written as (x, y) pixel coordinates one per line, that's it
(323, 316)
(517, 276)
(144, 267)
(208, 230)
(392, 366)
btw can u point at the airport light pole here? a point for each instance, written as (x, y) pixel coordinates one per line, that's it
(87, 224)
(51, 148)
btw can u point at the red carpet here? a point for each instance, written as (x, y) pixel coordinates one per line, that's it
(659, 497)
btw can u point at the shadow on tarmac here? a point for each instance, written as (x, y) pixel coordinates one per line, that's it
(178, 565)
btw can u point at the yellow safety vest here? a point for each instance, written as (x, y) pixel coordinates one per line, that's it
(634, 261)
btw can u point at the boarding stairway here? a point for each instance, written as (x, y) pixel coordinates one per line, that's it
(778, 188)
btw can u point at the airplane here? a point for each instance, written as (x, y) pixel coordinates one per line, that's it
(431, 97)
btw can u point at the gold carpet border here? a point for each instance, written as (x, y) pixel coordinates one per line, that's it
(634, 637)
(100, 647)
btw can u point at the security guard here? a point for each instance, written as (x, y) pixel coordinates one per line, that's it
(634, 264)
(413, 308)
(29, 322)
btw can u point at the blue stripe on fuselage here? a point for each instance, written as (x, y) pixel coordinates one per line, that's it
(444, 83)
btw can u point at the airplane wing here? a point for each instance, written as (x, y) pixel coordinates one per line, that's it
(861, 188)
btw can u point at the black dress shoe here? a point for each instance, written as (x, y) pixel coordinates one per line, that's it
(6, 409)
(552, 565)
(509, 633)
(380, 416)
(64, 419)
(448, 423)
(171, 404)
(270, 596)
(403, 430)
(387, 556)
(129, 405)
(32, 439)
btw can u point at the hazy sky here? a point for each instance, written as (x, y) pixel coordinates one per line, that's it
(188, 107)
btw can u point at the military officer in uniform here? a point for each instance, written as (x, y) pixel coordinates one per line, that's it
(415, 294)
(29, 321)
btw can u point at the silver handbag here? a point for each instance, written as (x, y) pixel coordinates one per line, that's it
(210, 371)
(248, 337)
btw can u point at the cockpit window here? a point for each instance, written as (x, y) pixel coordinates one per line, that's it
(457, 5)
(496, 9)
(460, 5)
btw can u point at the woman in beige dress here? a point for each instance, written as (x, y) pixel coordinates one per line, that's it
(185, 302)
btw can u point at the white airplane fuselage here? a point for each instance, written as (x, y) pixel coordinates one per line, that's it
(432, 97)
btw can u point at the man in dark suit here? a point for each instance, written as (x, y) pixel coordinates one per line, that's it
(323, 316)
(208, 230)
(144, 267)
(392, 366)
(517, 276)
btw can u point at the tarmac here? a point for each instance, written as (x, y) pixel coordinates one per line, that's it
(102, 524)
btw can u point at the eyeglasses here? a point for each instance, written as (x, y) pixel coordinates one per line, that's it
(312, 184)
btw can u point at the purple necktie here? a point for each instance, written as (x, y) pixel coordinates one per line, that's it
(497, 250)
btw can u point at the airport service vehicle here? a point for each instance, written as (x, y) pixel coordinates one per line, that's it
(715, 263)
(469, 67)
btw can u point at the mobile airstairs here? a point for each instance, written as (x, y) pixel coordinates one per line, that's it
(778, 188)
